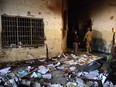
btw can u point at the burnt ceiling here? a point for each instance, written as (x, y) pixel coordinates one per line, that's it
(78, 9)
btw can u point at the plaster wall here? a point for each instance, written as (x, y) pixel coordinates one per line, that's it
(103, 16)
(50, 11)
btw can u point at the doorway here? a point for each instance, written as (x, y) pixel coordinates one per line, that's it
(78, 19)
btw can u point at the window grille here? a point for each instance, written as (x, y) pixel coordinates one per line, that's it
(22, 31)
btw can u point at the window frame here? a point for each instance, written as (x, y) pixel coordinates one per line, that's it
(18, 27)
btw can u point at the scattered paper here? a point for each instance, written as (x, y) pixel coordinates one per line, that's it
(47, 76)
(43, 69)
(5, 70)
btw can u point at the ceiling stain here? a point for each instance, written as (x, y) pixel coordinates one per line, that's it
(55, 6)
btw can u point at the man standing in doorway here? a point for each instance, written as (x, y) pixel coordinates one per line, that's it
(75, 42)
(88, 37)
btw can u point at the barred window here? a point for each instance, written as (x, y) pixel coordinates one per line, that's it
(22, 31)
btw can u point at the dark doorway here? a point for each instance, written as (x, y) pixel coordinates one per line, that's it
(78, 19)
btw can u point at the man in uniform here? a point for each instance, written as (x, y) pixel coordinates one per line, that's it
(88, 37)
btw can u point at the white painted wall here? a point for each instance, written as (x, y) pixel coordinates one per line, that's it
(50, 11)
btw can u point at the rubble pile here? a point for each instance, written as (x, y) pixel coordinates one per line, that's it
(68, 70)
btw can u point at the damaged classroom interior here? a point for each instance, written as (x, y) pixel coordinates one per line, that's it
(58, 43)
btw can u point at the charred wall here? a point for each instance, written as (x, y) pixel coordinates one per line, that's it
(103, 17)
(50, 11)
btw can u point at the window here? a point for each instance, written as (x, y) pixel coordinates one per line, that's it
(22, 31)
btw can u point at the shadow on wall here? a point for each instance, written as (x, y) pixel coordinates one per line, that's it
(98, 44)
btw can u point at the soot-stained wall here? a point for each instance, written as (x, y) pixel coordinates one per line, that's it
(102, 14)
(50, 11)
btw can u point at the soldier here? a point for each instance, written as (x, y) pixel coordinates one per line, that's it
(88, 37)
(75, 42)
(114, 42)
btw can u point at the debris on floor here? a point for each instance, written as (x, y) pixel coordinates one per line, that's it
(68, 70)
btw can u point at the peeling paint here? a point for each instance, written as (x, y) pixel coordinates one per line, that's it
(111, 17)
(55, 6)
(39, 13)
(28, 13)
